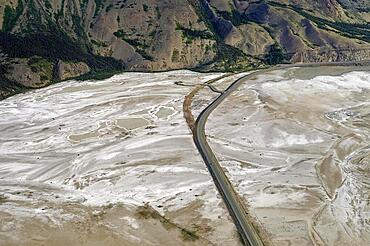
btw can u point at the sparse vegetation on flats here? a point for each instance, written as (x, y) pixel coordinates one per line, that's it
(2, 198)
(147, 212)
(189, 235)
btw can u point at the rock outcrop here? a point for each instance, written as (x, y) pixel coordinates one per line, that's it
(32, 72)
(67, 70)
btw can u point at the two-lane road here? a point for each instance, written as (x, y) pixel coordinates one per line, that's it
(233, 203)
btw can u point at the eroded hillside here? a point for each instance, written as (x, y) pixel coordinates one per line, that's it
(40, 39)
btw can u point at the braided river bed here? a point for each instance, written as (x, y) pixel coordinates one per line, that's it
(112, 162)
(108, 162)
(296, 144)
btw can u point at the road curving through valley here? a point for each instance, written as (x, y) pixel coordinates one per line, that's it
(248, 232)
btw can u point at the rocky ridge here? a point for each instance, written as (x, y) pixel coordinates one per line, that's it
(105, 36)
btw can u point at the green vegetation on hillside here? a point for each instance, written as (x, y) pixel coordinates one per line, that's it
(145, 7)
(234, 16)
(231, 59)
(43, 67)
(140, 46)
(74, 32)
(99, 5)
(276, 55)
(228, 58)
(350, 30)
(11, 16)
(51, 46)
(7, 87)
(189, 34)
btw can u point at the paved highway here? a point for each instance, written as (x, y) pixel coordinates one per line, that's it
(235, 206)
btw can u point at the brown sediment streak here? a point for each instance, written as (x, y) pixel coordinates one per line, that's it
(188, 115)
(314, 236)
(331, 194)
(331, 186)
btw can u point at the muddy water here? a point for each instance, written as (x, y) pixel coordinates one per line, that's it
(296, 144)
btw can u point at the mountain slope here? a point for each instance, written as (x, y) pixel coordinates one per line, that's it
(39, 39)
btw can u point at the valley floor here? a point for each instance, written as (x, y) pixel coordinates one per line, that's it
(295, 144)
(113, 161)
(107, 162)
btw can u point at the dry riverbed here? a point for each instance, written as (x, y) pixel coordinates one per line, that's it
(112, 162)
(295, 144)
(107, 163)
